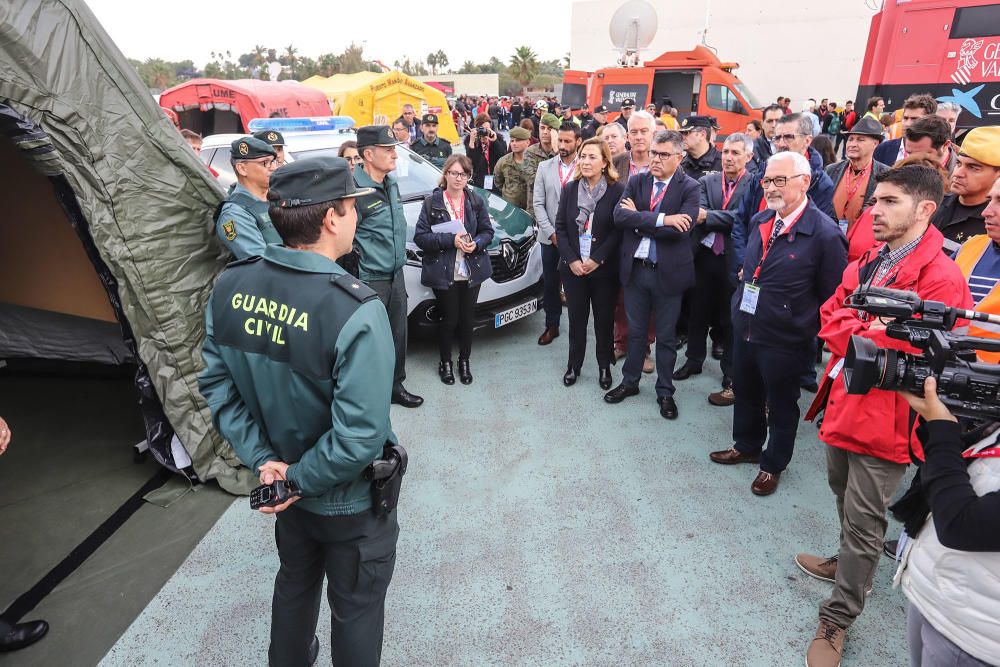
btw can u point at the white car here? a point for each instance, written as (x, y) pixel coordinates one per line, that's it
(514, 291)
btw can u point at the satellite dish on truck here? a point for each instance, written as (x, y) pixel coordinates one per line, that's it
(632, 29)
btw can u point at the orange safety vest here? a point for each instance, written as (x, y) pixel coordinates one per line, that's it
(968, 256)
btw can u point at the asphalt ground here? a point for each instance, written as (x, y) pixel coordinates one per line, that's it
(540, 526)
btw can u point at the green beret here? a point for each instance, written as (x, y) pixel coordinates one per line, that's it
(249, 148)
(552, 120)
(313, 181)
(519, 133)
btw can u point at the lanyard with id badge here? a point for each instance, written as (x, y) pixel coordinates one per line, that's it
(751, 291)
(586, 239)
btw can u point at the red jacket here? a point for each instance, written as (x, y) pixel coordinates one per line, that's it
(877, 423)
(861, 238)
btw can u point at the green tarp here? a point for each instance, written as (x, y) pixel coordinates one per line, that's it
(143, 197)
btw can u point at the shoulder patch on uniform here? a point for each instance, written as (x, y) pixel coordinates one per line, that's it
(229, 229)
(354, 287)
(246, 260)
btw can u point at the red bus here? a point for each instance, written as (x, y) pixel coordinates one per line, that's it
(948, 49)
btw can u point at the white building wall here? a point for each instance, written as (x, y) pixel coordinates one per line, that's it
(467, 84)
(809, 48)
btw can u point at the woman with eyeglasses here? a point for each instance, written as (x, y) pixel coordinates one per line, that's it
(588, 247)
(349, 151)
(455, 262)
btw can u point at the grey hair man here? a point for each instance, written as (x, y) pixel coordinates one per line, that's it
(950, 111)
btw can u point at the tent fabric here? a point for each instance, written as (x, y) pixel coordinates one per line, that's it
(140, 201)
(249, 98)
(367, 95)
(43, 334)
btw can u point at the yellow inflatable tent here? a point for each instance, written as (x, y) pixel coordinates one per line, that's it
(367, 95)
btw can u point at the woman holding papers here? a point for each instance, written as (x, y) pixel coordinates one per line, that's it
(453, 231)
(588, 246)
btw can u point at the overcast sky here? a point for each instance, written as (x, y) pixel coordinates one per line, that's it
(388, 29)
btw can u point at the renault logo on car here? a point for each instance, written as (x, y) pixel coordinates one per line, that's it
(509, 254)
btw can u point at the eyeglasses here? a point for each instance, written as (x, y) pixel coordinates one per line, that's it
(787, 138)
(654, 155)
(779, 181)
(267, 163)
(457, 174)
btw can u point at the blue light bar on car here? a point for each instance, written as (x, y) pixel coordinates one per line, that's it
(310, 124)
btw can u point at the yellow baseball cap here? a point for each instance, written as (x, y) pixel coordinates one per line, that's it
(983, 144)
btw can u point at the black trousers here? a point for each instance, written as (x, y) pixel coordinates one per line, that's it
(458, 307)
(392, 294)
(766, 384)
(711, 297)
(644, 295)
(596, 291)
(357, 553)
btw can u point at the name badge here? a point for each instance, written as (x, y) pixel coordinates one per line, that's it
(709, 240)
(488, 182)
(750, 295)
(585, 243)
(843, 226)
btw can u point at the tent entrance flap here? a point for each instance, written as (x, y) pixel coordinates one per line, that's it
(211, 119)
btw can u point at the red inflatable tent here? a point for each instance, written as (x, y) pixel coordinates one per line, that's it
(216, 106)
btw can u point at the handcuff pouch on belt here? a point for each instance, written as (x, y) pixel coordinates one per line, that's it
(386, 477)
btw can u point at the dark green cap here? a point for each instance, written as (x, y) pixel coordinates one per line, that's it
(249, 148)
(552, 120)
(272, 137)
(519, 133)
(376, 135)
(313, 181)
(429, 118)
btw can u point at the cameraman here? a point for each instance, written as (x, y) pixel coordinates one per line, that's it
(868, 435)
(484, 147)
(950, 570)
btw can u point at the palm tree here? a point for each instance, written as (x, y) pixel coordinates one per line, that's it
(442, 59)
(523, 65)
(291, 56)
(432, 60)
(259, 54)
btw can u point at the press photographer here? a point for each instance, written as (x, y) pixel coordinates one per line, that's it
(868, 434)
(484, 147)
(950, 570)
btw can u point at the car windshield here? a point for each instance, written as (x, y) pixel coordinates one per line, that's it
(416, 176)
(747, 95)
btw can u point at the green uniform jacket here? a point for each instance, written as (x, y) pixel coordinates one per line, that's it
(243, 224)
(534, 156)
(510, 181)
(435, 153)
(298, 368)
(380, 239)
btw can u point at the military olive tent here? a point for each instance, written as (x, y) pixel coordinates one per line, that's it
(106, 246)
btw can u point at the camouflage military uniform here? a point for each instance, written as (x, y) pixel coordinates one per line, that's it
(510, 181)
(533, 157)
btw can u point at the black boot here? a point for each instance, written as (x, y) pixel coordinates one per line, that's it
(22, 634)
(604, 378)
(569, 379)
(464, 372)
(445, 372)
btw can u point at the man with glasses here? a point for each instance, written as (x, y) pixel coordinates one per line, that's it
(242, 221)
(794, 261)
(702, 155)
(655, 214)
(401, 131)
(431, 147)
(409, 117)
(380, 242)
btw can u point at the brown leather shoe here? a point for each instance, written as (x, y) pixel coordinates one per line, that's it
(818, 567)
(549, 335)
(827, 646)
(733, 455)
(766, 483)
(723, 399)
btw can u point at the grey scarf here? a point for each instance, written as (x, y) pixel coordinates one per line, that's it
(586, 201)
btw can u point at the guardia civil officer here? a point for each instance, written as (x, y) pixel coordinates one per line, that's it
(242, 221)
(275, 140)
(430, 146)
(298, 370)
(381, 241)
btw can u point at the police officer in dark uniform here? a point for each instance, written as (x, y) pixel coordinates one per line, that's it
(242, 221)
(627, 107)
(430, 146)
(298, 370)
(598, 120)
(702, 155)
(275, 140)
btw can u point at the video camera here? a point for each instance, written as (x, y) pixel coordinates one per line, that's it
(968, 388)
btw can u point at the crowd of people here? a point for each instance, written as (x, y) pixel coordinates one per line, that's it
(745, 254)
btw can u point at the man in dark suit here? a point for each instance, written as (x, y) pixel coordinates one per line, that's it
(914, 108)
(713, 252)
(795, 258)
(656, 214)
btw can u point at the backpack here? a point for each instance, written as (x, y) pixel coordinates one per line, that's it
(834, 127)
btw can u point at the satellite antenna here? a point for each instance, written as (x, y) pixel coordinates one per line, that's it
(632, 29)
(274, 70)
